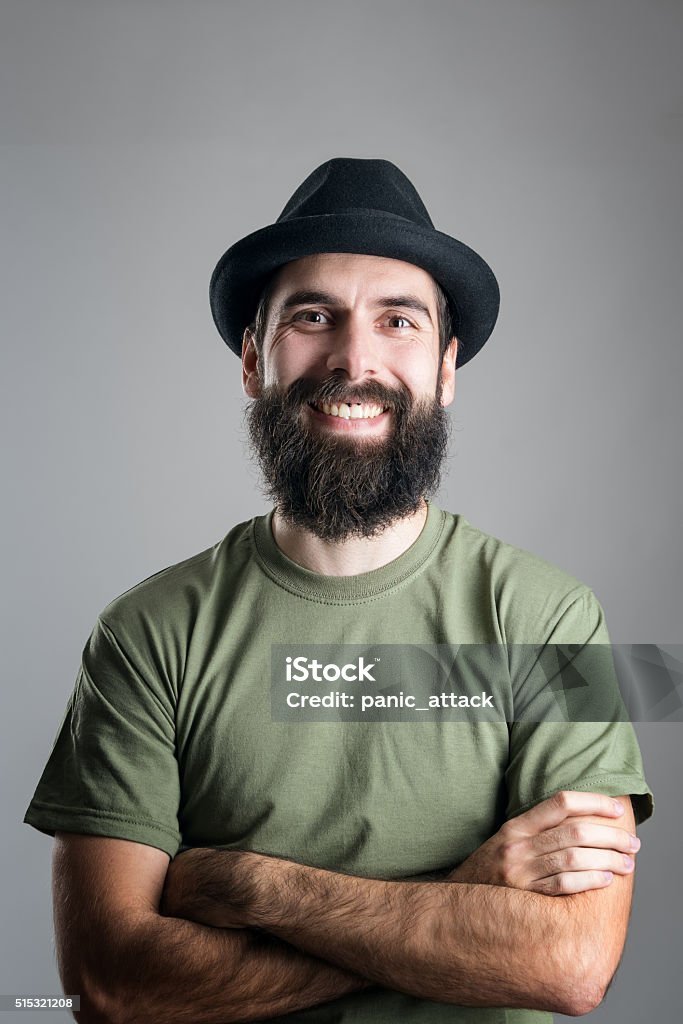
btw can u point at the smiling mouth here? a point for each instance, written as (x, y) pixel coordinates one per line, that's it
(350, 411)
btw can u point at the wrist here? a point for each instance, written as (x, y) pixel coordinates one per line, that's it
(265, 883)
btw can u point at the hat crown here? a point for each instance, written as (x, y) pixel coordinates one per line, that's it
(363, 206)
(344, 184)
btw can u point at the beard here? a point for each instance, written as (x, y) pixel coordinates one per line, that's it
(338, 484)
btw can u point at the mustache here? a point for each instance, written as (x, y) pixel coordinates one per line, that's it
(337, 390)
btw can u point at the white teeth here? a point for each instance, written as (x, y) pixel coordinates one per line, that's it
(350, 412)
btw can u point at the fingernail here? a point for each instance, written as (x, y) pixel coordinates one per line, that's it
(618, 807)
(608, 876)
(635, 843)
(628, 861)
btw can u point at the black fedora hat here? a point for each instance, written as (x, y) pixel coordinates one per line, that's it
(356, 206)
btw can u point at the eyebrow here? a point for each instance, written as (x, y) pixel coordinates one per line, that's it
(303, 298)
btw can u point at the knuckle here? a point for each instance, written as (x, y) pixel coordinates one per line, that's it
(573, 834)
(563, 885)
(581, 832)
(509, 853)
(563, 799)
(505, 829)
(555, 885)
(571, 858)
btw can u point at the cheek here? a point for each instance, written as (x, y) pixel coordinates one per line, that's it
(420, 382)
(284, 371)
(415, 368)
(290, 361)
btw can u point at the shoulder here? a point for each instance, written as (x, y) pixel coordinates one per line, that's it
(169, 604)
(509, 566)
(531, 595)
(164, 588)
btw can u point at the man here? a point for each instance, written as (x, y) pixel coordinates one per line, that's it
(346, 868)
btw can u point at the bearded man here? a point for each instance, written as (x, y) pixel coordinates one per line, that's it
(219, 860)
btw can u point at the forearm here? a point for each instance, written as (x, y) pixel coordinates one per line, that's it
(475, 945)
(170, 971)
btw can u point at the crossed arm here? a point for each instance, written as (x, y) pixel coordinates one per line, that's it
(255, 936)
(457, 940)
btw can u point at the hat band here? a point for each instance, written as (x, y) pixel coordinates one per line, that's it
(364, 211)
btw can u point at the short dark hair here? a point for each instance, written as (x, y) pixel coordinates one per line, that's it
(258, 325)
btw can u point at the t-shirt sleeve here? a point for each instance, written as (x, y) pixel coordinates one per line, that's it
(569, 751)
(113, 770)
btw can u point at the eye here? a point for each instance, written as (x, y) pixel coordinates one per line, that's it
(406, 322)
(310, 312)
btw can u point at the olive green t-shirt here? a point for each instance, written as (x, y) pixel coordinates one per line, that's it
(169, 738)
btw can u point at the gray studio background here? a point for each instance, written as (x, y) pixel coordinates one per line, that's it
(140, 138)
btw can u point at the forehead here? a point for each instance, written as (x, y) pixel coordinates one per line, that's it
(353, 275)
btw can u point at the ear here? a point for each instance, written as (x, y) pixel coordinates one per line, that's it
(251, 381)
(448, 372)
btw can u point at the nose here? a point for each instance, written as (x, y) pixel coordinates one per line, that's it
(354, 350)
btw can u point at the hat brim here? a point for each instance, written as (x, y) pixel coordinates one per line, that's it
(242, 271)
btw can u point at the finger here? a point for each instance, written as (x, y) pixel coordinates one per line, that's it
(564, 804)
(584, 833)
(572, 881)
(577, 859)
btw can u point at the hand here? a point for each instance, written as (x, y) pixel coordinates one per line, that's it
(212, 887)
(550, 850)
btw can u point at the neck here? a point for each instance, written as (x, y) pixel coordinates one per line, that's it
(352, 556)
